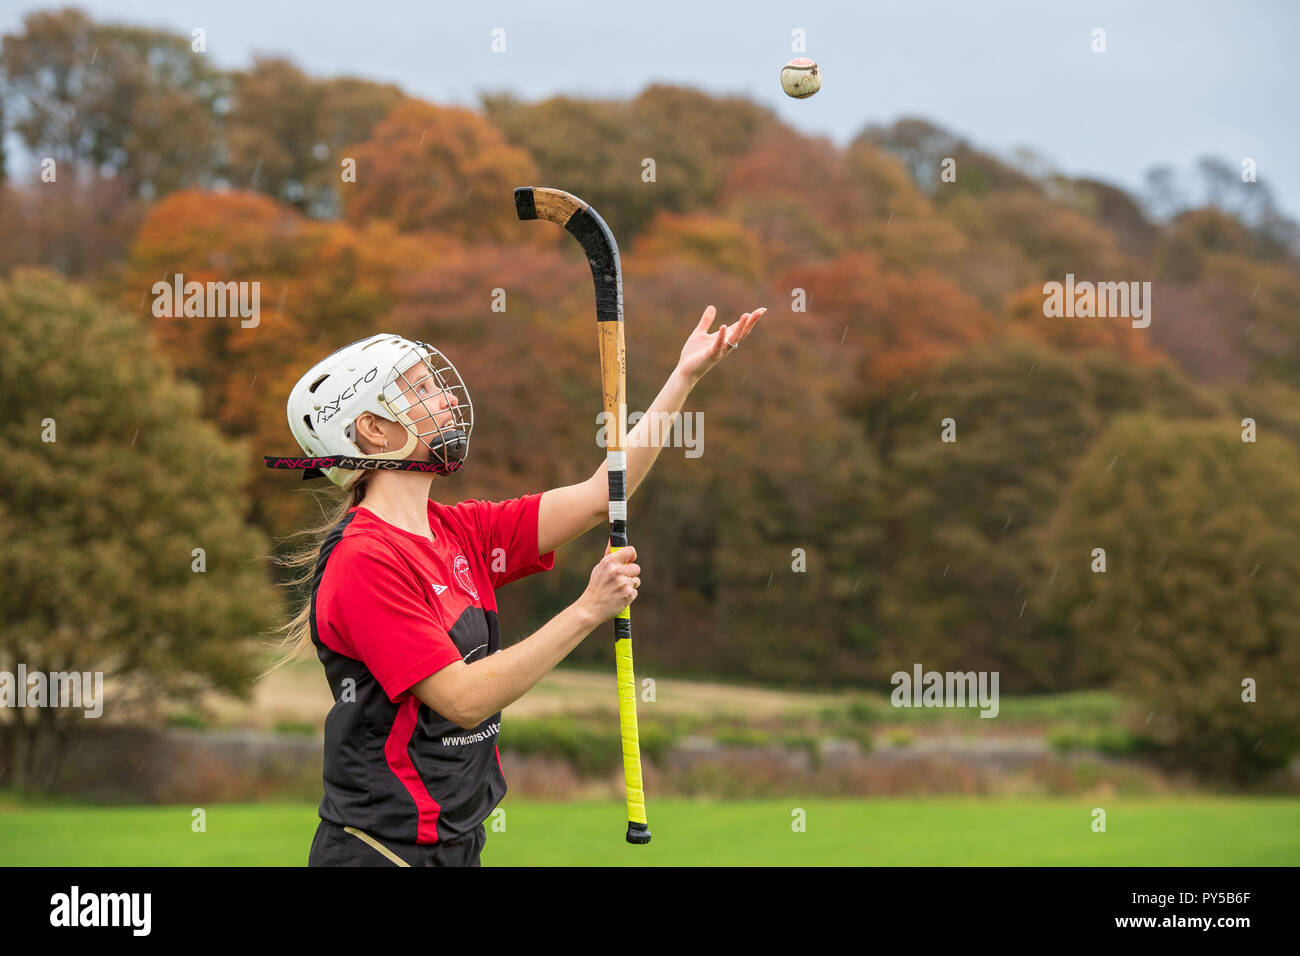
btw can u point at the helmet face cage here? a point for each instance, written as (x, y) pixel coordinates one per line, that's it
(426, 394)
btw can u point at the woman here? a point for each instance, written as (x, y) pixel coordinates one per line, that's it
(403, 612)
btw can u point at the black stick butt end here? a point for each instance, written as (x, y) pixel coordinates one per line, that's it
(524, 204)
(638, 833)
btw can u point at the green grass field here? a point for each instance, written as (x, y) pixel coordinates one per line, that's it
(951, 831)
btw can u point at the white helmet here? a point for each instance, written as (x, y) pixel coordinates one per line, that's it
(395, 379)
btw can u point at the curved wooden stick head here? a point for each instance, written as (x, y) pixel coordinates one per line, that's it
(542, 202)
(584, 224)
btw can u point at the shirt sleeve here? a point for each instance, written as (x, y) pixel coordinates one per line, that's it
(376, 610)
(507, 534)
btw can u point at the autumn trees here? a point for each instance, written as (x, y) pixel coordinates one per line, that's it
(126, 548)
(126, 99)
(1195, 612)
(909, 462)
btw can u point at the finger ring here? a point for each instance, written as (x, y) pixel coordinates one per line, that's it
(733, 345)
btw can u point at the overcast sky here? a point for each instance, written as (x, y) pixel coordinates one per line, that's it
(1179, 78)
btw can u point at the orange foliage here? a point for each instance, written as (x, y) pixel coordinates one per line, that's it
(439, 168)
(320, 285)
(1051, 238)
(897, 221)
(1025, 320)
(710, 241)
(221, 237)
(897, 326)
(811, 173)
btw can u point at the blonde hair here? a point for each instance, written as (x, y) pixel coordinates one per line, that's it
(294, 635)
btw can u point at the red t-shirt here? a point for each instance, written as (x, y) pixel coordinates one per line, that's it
(389, 609)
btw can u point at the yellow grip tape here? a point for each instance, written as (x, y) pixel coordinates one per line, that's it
(628, 729)
(627, 722)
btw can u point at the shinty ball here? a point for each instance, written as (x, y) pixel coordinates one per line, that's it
(800, 78)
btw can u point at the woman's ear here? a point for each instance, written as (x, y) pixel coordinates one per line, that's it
(369, 435)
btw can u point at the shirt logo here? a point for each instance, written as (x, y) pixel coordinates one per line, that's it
(463, 577)
(439, 588)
